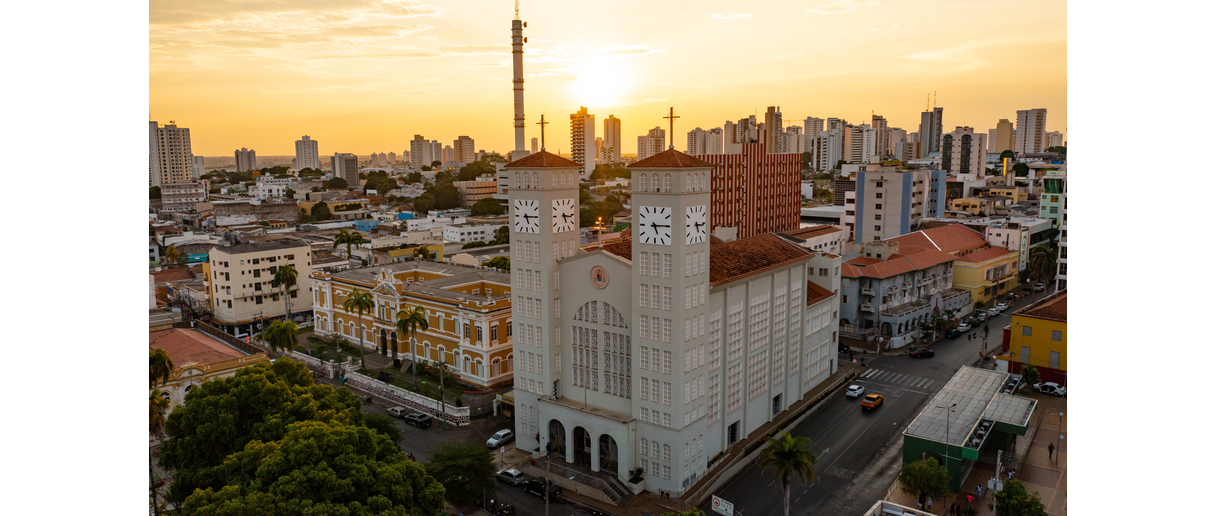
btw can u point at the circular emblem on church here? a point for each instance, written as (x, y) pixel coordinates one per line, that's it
(599, 276)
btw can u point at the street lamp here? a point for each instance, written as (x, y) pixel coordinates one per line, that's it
(950, 410)
(1059, 435)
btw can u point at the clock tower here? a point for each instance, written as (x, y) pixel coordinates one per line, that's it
(671, 233)
(544, 216)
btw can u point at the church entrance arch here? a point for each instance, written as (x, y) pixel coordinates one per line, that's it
(608, 455)
(582, 447)
(557, 438)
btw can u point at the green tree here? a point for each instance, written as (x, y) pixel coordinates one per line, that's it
(426, 168)
(361, 302)
(349, 238)
(221, 416)
(320, 211)
(157, 406)
(362, 175)
(1030, 375)
(422, 253)
(281, 335)
(1021, 170)
(413, 177)
(806, 160)
(925, 477)
(1015, 500)
(446, 196)
(384, 424)
(1058, 149)
(493, 157)
(154, 192)
(409, 322)
(320, 468)
(160, 367)
(474, 170)
(285, 278)
(336, 183)
(1042, 262)
(1008, 154)
(466, 470)
(424, 203)
(488, 206)
(499, 262)
(788, 456)
(840, 163)
(436, 164)
(475, 244)
(174, 257)
(291, 194)
(502, 236)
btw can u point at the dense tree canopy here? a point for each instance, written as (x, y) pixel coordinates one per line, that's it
(465, 470)
(446, 196)
(1015, 500)
(424, 203)
(320, 468)
(379, 181)
(502, 236)
(927, 477)
(1058, 149)
(473, 170)
(500, 263)
(320, 211)
(610, 171)
(488, 206)
(154, 192)
(1008, 154)
(413, 177)
(222, 416)
(475, 244)
(336, 183)
(1021, 170)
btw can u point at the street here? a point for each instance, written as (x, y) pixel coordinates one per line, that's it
(860, 453)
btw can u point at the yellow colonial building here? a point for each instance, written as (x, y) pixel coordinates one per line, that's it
(986, 273)
(1038, 335)
(468, 309)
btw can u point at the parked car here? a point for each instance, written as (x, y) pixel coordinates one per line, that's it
(1051, 388)
(418, 419)
(963, 327)
(993, 312)
(871, 401)
(854, 391)
(953, 333)
(981, 317)
(1002, 306)
(842, 348)
(511, 476)
(536, 487)
(922, 352)
(1039, 287)
(502, 437)
(398, 412)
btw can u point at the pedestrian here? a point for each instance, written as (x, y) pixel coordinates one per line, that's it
(920, 502)
(1051, 448)
(929, 500)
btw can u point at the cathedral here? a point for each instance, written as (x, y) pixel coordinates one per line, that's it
(646, 357)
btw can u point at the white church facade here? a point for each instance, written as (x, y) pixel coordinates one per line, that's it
(658, 351)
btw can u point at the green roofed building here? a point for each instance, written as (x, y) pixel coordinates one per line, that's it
(972, 417)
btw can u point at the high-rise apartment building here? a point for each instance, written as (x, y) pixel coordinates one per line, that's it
(535, 145)
(889, 202)
(908, 151)
(811, 127)
(197, 169)
(828, 149)
(392, 158)
(1032, 123)
(239, 283)
(246, 160)
(611, 151)
(755, 191)
(346, 166)
(963, 153)
(653, 143)
(895, 136)
(582, 140)
(646, 353)
(420, 152)
(1053, 139)
(775, 137)
(881, 136)
(931, 131)
(182, 197)
(463, 149)
(153, 155)
(793, 142)
(306, 154)
(701, 141)
(448, 155)
(174, 161)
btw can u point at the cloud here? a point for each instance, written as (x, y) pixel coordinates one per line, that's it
(729, 16)
(652, 99)
(176, 12)
(843, 6)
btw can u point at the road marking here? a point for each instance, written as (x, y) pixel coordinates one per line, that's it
(920, 383)
(869, 373)
(899, 378)
(836, 471)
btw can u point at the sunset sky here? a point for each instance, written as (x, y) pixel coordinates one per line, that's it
(364, 76)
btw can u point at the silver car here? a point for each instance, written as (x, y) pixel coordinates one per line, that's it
(502, 437)
(854, 391)
(511, 476)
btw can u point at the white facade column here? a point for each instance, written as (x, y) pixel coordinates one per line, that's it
(595, 453)
(569, 442)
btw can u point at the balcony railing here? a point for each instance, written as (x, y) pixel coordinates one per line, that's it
(867, 307)
(867, 292)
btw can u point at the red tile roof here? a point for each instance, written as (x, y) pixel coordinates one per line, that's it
(542, 159)
(813, 231)
(671, 158)
(984, 255)
(950, 238)
(622, 248)
(178, 274)
(187, 345)
(1054, 308)
(730, 261)
(862, 261)
(895, 265)
(816, 293)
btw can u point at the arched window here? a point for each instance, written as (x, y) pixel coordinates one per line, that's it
(644, 183)
(667, 183)
(535, 180)
(645, 446)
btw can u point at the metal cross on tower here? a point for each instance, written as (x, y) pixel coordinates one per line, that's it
(671, 118)
(542, 123)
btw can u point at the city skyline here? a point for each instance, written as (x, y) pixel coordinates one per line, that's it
(363, 75)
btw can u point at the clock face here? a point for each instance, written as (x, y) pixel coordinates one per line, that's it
(527, 216)
(564, 216)
(694, 224)
(654, 225)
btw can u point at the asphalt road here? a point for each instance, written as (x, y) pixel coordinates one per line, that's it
(860, 452)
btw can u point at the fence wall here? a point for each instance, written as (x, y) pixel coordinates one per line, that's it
(455, 415)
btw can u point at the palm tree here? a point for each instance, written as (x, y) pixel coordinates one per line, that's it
(1042, 262)
(409, 321)
(361, 302)
(281, 335)
(285, 278)
(348, 238)
(160, 367)
(173, 256)
(157, 405)
(422, 253)
(789, 456)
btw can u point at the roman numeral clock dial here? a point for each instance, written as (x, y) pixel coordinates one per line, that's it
(695, 227)
(527, 216)
(654, 225)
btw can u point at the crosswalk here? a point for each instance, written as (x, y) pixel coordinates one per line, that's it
(910, 381)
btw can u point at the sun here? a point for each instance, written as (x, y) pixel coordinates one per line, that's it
(600, 84)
